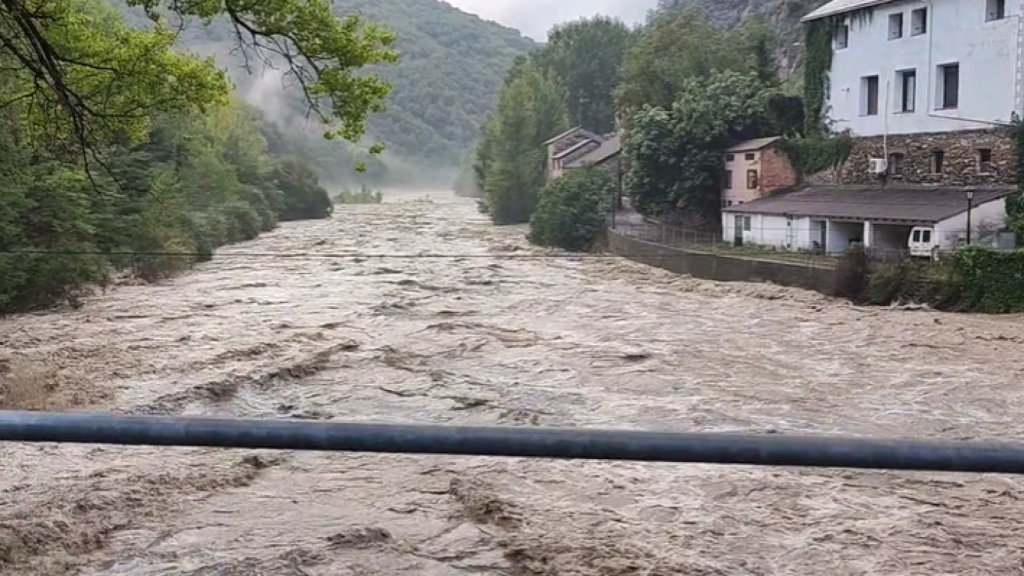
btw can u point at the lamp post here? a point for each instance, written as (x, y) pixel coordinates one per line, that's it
(970, 206)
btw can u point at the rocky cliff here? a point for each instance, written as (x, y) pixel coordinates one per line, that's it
(783, 16)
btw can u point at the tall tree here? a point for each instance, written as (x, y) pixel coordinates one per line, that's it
(586, 55)
(677, 46)
(531, 110)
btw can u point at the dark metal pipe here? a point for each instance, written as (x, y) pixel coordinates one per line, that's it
(769, 450)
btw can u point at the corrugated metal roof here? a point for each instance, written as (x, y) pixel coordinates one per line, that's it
(894, 203)
(606, 150)
(841, 6)
(575, 147)
(568, 132)
(755, 144)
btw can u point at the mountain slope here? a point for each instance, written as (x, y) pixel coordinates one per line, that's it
(451, 68)
(783, 16)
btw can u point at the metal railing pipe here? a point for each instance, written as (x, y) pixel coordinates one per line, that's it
(712, 448)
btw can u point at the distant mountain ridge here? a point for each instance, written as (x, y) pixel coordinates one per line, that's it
(451, 69)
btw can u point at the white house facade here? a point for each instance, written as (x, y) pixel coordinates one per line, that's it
(920, 66)
(828, 219)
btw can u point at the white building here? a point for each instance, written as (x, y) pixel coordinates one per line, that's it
(918, 66)
(919, 84)
(830, 218)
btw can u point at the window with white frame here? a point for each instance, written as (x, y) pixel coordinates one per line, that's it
(896, 26)
(906, 90)
(869, 96)
(842, 36)
(995, 10)
(948, 96)
(919, 22)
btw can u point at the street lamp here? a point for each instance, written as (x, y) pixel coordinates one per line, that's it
(970, 204)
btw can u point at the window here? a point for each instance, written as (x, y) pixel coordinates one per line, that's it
(907, 87)
(896, 26)
(919, 22)
(949, 86)
(730, 157)
(984, 160)
(869, 100)
(842, 37)
(995, 10)
(750, 156)
(896, 164)
(727, 180)
(751, 179)
(938, 161)
(926, 236)
(746, 223)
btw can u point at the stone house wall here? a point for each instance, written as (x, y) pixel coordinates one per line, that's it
(959, 152)
(776, 171)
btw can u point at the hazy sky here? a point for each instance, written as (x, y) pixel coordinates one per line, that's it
(535, 17)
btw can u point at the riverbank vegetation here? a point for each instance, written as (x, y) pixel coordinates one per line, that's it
(969, 280)
(722, 86)
(572, 210)
(120, 151)
(361, 195)
(568, 82)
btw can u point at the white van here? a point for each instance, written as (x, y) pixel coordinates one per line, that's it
(923, 242)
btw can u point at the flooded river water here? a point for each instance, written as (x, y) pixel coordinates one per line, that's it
(480, 338)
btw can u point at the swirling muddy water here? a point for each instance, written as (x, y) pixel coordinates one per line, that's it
(480, 338)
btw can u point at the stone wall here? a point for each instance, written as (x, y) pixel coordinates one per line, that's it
(723, 268)
(776, 171)
(960, 159)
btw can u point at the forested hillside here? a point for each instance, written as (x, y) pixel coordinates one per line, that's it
(782, 16)
(446, 82)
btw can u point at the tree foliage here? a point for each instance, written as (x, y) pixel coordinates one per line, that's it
(677, 46)
(542, 92)
(674, 155)
(187, 168)
(586, 55)
(531, 110)
(79, 71)
(572, 210)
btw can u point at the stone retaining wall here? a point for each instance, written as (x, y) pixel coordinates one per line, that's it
(720, 267)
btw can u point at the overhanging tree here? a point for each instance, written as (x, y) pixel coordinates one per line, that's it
(76, 72)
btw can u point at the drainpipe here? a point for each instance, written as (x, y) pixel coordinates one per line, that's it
(885, 129)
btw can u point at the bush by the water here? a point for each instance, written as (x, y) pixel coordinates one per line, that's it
(363, 195)
(572, 210)
(190, 185)
(968, 280)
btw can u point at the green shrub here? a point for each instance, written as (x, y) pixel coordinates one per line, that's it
(363, 195)
(990, 281)
(243, 221)
(572, 210)
(851, 279)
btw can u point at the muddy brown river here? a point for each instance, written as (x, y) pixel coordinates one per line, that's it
(479, 338)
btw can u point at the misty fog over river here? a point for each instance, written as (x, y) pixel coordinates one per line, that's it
(482, 339)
